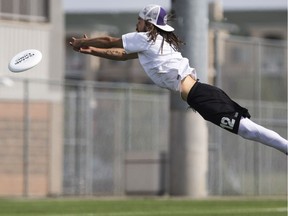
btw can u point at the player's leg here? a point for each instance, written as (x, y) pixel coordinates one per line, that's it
(214, 105)
(252, 131)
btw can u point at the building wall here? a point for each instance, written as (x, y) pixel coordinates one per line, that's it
(38, 171)
(19, 174)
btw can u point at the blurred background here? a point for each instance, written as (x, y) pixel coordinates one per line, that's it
(77, 125)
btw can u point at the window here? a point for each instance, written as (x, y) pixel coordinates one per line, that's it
(25, 10)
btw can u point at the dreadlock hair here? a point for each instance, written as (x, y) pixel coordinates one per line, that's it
(174, 41)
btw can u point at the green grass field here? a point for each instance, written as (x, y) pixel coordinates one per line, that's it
(144, 207)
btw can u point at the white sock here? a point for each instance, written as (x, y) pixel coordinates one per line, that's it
(252, 131)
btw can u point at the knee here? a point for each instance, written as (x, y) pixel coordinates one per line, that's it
(248, 131)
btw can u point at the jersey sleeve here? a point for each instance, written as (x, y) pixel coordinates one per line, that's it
(135, 42)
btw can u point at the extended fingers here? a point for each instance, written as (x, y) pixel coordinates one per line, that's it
(72, 43)
(76, 43)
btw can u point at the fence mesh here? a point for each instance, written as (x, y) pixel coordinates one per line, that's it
(254, 73)
(104, 126)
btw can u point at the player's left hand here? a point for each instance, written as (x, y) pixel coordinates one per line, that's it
(77, 43)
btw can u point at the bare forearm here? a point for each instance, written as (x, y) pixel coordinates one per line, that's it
(102, 42)
(117, 54)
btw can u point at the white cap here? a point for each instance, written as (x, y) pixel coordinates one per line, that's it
(156, 15)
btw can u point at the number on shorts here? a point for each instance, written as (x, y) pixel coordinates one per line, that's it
(227, 123)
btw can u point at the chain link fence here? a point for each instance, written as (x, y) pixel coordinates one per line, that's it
(30, 137)
(106, 123)
(80, 138)
(254, 73)
(89, 138)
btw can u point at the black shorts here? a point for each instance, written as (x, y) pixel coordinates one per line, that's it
(214, 105)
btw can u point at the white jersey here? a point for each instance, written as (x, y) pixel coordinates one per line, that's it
(165, 67)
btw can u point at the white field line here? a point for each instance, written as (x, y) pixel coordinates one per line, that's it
(212, 212)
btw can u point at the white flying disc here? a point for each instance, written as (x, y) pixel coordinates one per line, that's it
(25, 60)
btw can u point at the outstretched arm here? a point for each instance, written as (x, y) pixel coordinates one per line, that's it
(105, 47)
(99, 42)
(117, 54)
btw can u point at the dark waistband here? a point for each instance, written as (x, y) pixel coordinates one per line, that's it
(192, 90)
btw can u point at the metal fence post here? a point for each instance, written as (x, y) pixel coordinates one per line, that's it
(219, 77)
(89, 139)
(26, 135)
